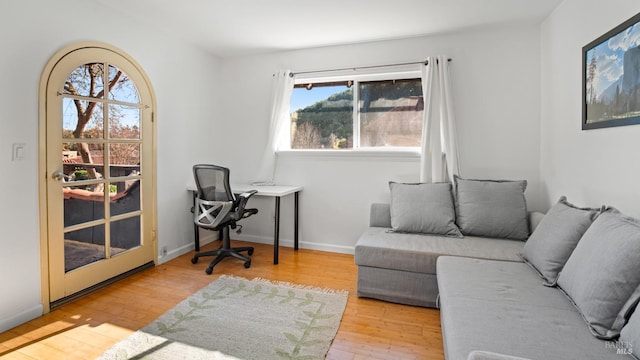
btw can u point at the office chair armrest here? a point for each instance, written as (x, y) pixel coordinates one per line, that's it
(243, 198)
(248, 194)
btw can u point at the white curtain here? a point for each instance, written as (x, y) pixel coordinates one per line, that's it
(279, 126)
(439, 153)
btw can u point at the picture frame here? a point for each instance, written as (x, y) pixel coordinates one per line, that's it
(611, 77)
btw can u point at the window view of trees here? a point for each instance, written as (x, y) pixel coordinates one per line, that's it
(89, 106)
(327, 124)
(389, 115)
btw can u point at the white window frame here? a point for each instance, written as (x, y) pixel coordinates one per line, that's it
(403, 72)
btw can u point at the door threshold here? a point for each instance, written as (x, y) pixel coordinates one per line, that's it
(81, 293)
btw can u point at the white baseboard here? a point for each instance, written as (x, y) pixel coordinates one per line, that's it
(340, 249)
(21, 318)
(204, 240)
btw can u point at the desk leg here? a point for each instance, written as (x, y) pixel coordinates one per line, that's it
(295, 221)
(196, 237)
(276, 230)
(196, 230)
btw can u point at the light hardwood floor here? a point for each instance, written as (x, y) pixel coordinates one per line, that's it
(86, 327)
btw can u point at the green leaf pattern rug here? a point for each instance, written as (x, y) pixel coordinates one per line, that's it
(236, 318)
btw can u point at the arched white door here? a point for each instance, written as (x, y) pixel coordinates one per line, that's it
(100, 205)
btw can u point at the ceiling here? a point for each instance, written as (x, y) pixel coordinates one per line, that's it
(242, 27)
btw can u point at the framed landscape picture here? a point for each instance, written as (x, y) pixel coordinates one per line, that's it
(611, 77)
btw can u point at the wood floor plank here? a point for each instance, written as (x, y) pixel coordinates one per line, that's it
(370, 329)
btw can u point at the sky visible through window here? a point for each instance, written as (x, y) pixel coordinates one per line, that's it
(81, 81)
(302, 98)
(128, 116)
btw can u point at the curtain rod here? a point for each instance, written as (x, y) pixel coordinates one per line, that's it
(426, 62)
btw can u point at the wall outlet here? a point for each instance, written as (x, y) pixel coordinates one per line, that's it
(163, 251)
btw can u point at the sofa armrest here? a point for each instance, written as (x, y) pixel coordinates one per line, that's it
(380, 215)
(486, 355)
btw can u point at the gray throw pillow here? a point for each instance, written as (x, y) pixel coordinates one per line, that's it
(601, 276)
(492, 208)
(423, 208)
(553, 241)
(630, 336)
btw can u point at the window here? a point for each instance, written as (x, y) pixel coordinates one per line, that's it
(352, 113)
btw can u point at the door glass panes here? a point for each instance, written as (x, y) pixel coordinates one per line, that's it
(82, 205)
(82, 161)
(322, 116)
(124, 197)
(124, 90)
(101, 141)
(86, 80)
(82, 247)
(125, 234)
(124, 122)
(90, 116)
(124, 159)
(391, 113)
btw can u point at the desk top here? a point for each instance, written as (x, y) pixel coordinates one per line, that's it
(263, 190)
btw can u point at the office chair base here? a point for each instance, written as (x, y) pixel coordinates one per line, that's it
(223, 253)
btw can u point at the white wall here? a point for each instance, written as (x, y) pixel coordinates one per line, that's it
(496, 82)
(212, 110)
(591, 167)
(184, 80)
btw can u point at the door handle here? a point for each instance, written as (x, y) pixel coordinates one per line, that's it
(59, 175)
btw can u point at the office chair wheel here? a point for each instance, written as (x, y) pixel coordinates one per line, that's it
(250, 252)
(247, 264)
(194, 260)
(209, 271)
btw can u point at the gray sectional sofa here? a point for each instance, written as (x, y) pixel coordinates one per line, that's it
(567, 291)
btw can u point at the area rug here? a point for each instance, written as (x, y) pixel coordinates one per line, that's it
(236, 318)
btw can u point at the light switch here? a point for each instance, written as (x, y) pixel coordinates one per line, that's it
(19, 151)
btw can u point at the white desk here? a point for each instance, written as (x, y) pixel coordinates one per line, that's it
(275, 191)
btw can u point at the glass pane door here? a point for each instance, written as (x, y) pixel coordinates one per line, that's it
(99, 154)
(101, 215)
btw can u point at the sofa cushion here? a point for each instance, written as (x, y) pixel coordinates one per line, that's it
(492, 208)
(601, 276)
(630, 336)
(553, 241)
(418, 253)
(501, 307)
(423, 208)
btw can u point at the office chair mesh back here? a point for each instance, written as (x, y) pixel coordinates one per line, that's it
(211, 181)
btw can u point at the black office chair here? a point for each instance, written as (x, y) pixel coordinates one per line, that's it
(217, 208)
